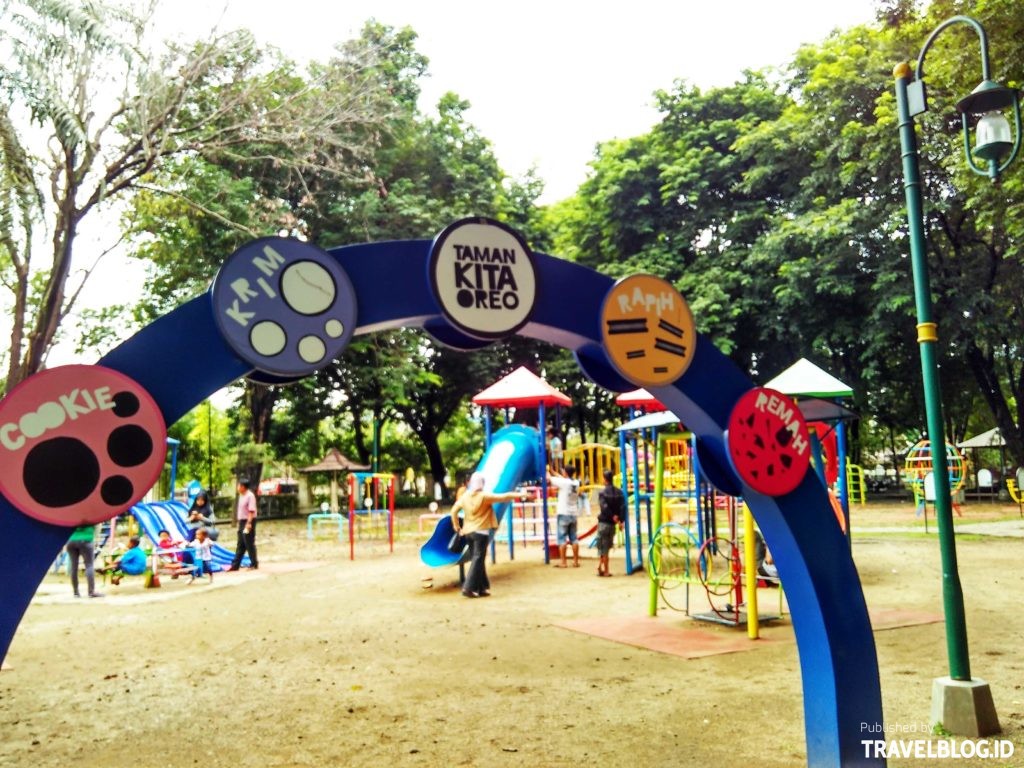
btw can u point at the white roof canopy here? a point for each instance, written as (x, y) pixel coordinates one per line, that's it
(804, 379)
(991, 439)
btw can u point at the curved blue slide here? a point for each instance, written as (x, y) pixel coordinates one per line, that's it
(512, 459)
(170, 516)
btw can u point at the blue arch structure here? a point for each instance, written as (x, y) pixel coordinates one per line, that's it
(390, 283)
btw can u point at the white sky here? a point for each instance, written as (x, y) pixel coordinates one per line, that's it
(547, 80)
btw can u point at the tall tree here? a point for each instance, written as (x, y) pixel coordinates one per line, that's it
(844, 222)
(427, 170)
(431, 170)
(189, 213)
(672, 203)
(111, 113)
(777, 207)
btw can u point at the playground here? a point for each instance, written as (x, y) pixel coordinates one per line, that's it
(317, 659)
(312, 654)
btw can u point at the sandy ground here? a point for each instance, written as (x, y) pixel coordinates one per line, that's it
(316, 660)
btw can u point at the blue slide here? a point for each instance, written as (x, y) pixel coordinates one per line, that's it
(170, 516)
(513, 458)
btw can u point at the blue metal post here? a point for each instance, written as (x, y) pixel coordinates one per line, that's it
(636, 497)
(625, 489)
(844, 483)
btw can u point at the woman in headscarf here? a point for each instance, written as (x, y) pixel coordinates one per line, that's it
(476, 523)
(200, 515)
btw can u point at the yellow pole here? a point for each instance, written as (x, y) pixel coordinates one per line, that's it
(748, 557)
(659, 492)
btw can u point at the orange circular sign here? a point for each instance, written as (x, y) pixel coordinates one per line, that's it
(648, 330)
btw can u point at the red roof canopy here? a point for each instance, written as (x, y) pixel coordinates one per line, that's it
(642, 398)
(521, 389)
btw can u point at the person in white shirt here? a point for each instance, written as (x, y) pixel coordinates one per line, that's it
(203, 558)
(567, 512)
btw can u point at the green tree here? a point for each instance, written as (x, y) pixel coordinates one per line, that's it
(189, 214)
(840, 238)
(776, 205)
(431, 170)
(80, 81)
(203, 435)
(426, 172)
(672, 203)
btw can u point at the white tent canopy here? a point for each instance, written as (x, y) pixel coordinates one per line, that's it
(649, 420)
(991, 439)
(804, 379)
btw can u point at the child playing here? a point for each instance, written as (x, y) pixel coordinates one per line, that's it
(131, 563)
(169, 555)
(203, 555)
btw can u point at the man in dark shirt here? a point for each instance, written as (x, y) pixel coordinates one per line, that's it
(613, 513)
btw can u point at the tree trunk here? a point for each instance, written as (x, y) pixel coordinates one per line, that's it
(51, 303)
(436, 461)
(21, 288)
(983, 367)
(581, 425)
(260, 400)
(362, 451)
(251, 471)
(895, 457)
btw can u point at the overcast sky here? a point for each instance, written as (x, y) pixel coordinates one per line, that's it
(547, 80)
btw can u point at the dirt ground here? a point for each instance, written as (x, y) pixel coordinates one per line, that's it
(316, 660)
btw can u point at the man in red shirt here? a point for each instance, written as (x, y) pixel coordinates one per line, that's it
(245, 512)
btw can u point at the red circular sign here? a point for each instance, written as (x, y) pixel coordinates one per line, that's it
(768, 441)
(79, 444)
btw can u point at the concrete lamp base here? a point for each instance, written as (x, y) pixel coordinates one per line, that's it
(964, 707)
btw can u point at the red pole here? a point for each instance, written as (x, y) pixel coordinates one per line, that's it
(391, 511)
(734, 553)
(351, 517)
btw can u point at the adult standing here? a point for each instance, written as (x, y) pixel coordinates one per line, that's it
(568, 509)
(245, 513)
(612, 513)
(477, 522)
(80, 545)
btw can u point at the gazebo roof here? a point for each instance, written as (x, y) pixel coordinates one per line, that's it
(804, 379)
(640, 397)
(334, 461)
(521, 389)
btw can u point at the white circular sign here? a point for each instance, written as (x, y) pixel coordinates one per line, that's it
(307, 288)
(483, 277)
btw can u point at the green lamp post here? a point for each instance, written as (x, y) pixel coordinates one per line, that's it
(962, 704)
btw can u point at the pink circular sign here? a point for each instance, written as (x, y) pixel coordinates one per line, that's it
(768, 441)
(79, 444)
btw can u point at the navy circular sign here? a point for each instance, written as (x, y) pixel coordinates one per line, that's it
(284, 306)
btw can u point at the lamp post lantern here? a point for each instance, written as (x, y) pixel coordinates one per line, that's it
(962, 704)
